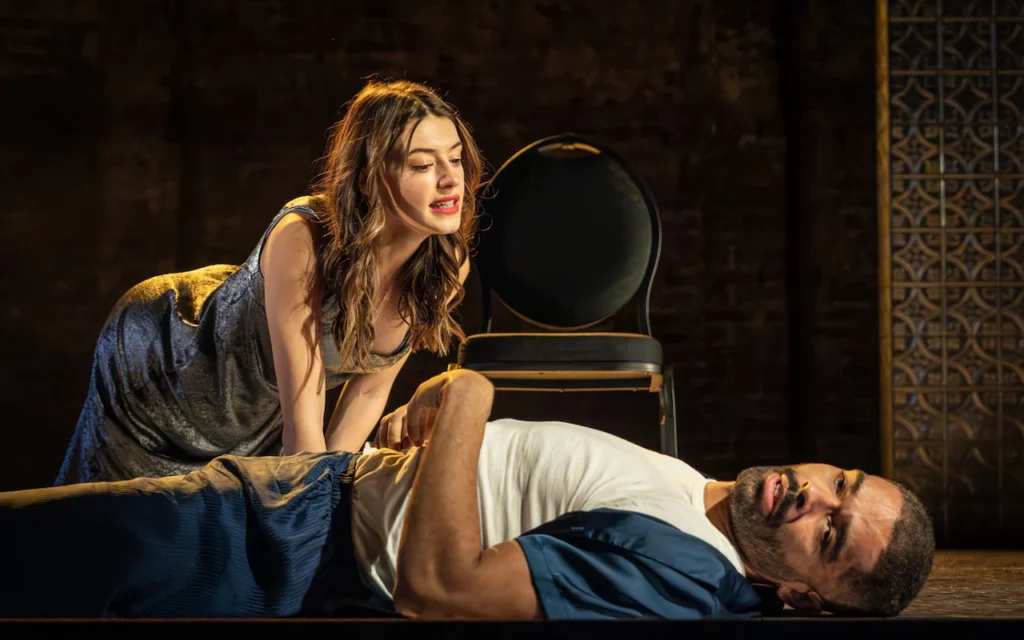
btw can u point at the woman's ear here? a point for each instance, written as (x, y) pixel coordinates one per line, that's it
(800, 597)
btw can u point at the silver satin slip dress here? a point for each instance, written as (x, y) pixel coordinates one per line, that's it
(183, 372)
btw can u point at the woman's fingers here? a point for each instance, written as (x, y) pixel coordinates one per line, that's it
(381, 439)
(414, 432)
(403, 429)
(396, 429)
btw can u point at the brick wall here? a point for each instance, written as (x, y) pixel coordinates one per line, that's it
(145, 137)
(829, 98)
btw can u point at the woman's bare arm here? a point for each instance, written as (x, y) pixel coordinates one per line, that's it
(293, 294)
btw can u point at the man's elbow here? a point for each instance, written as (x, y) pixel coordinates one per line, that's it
(430, 594)
(418, 601)
(409, 606)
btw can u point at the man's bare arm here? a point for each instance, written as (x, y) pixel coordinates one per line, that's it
(442, 570)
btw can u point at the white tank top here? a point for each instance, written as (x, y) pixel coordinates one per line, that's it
(530, 473)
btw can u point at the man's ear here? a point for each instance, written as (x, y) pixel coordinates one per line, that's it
(800, 597)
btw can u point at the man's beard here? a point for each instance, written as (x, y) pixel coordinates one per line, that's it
(757, 536)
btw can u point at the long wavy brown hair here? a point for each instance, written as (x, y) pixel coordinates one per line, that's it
(429, 281)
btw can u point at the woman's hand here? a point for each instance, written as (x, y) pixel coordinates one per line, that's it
(412, 424)
(392, 432)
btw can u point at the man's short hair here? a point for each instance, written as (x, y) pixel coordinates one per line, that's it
(900, 571)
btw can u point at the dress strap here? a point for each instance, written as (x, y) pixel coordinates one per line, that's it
(302, 205)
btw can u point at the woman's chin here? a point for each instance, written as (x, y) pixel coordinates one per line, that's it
(446, 227)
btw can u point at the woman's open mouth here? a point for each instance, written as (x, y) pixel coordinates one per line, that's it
(445, 206)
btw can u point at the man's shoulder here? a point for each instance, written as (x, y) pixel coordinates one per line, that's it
(682, 515)
(676, 573)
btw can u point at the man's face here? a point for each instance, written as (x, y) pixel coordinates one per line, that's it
(804, 527)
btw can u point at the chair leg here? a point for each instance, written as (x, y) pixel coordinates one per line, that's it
(669, 444)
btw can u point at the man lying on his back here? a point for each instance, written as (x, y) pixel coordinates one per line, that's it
(475, 519)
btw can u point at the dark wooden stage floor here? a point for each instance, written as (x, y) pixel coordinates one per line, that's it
(973, 584)
(978, 593)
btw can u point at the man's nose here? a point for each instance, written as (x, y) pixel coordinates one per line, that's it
(809, 499)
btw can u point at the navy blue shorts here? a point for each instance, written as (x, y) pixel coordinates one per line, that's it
(241, 537)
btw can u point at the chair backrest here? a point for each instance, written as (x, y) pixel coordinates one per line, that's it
(569, 234)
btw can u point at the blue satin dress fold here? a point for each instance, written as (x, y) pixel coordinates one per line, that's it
(241, 537)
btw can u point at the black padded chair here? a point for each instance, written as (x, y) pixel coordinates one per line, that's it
(569, 235)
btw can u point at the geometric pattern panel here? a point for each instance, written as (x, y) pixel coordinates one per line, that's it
(951, 206)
